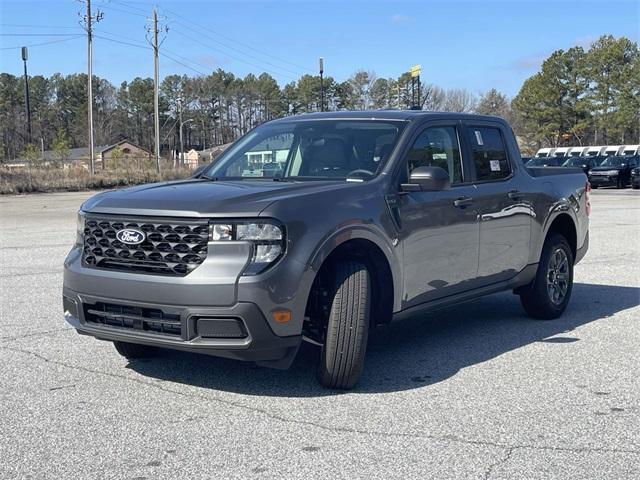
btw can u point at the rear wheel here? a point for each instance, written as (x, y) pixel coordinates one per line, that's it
(547, 297)
(134, 350)
(347, 328)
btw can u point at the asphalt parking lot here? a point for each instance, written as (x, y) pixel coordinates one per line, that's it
(476, 391)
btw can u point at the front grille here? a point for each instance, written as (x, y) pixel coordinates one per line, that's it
(151, 320)
(171, 247)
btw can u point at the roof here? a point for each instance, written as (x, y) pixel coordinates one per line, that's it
(121, 142)
(82, 153)
(74, 153)
(402, 115)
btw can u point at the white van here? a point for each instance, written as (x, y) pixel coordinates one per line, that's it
(631, 150)
(595, 151)
(544, 152)
(577, 151)
(613, 150)
(562, 152)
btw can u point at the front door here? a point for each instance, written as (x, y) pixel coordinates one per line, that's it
(439, 230)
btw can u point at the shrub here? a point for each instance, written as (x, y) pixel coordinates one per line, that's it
(50, 179)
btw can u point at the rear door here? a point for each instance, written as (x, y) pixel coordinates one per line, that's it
(438, 230)
(503, 203)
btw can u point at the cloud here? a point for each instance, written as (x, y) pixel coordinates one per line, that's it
(401, 19)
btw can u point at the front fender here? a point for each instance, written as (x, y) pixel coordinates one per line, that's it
(372, 233)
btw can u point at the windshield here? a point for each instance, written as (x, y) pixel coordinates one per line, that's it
(575, 162)
(309, 150)
(612, 162)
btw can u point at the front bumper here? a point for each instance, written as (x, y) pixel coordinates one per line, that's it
(260, 343)
(215, 290)
(603, 180)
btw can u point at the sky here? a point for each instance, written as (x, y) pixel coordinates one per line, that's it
(475, 45)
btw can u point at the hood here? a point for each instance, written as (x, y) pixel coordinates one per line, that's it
(601, 168)
(204, 198)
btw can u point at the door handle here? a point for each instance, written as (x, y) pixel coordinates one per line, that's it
(514, 195)
(463, 202)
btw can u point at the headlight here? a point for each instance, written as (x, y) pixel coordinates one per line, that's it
(267, 239)
(80, 228)
(612, 173)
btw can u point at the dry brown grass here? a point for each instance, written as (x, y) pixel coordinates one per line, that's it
(41, 179)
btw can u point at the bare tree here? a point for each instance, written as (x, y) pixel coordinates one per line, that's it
(460, 100)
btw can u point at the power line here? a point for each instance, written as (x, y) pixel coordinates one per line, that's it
(22, 25)
(183, 64)
(75, 37)
(208, 29)
(109, 7)
(131, 6)
(139, 45)
(235, 58)
(241, 53)
(121, 42)
(34, 34)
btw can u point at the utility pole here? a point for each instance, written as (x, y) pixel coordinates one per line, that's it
(88, 20)
(321, 61)
(181, 163)
(25, 56)
(153, 40)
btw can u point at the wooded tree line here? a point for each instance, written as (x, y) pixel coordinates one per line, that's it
(578, 97)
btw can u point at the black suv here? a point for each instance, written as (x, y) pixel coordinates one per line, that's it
(635, 177)
(614, 171)
(585, 163)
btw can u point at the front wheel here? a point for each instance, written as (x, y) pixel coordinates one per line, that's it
(347, 329)
(547, 297)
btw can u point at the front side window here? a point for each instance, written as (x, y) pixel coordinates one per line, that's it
(437, 147)
(489, 153)
(310, 149)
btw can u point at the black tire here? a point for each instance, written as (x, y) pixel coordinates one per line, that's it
(347, 330)
(594, 187)
(135, 350)
(620, 183)
(539, 299)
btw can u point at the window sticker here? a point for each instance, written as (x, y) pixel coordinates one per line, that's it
(479, 137)
(495, 165)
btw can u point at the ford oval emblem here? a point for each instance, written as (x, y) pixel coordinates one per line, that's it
(130, 236)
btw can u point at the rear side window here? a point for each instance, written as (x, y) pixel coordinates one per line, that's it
(489, 153)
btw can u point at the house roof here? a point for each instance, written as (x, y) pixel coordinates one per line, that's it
(121, 142)
(82, 153)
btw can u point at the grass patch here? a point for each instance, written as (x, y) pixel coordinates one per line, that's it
(32, 180)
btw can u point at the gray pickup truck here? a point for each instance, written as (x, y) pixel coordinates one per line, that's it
(320, 227)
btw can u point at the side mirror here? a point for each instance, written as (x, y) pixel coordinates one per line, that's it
(428, 179)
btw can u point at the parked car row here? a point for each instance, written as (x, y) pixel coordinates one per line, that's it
(589, 151)
(603, 171)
